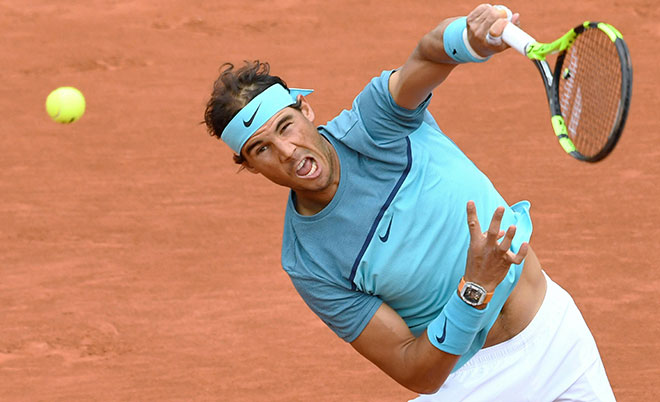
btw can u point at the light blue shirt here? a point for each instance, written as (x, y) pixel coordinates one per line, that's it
(396, 230)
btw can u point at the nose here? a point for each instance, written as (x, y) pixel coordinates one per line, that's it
(285, 148)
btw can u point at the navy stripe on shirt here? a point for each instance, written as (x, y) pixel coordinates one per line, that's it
(395, 190)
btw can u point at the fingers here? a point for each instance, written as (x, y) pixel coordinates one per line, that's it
(515, 19)
(479, 10)
(504, 12)
(494, 233)
(505, 244)
(488, 23)
(522, 253)
(494, 228)
(482, 17)
(495, 237)
(497, 28)
(489, 253)
(473, 220)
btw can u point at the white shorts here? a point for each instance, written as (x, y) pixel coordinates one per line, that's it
(554, 359)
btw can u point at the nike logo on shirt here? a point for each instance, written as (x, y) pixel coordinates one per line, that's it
(248, 123)
(387, 233)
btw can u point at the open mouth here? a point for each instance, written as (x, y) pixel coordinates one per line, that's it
(306, 168)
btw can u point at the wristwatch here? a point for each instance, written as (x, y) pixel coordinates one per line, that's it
(473, 294)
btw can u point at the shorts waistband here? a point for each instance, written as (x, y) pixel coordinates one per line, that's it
(553, 308)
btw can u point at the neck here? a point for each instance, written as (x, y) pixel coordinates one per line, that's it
(309, 207)
(311, 203)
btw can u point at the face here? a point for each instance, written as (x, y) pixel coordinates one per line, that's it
(289, 151)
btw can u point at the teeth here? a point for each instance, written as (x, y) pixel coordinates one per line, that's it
(312, 170)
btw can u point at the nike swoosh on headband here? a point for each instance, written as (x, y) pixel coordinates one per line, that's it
(248, 123)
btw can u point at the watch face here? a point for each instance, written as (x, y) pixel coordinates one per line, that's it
(472, 294)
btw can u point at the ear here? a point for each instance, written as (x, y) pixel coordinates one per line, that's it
(246, 165)
(306, 109)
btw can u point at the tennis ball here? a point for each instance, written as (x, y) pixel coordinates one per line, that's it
(65, 105)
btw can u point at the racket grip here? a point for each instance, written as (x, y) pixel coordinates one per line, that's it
(517, 38)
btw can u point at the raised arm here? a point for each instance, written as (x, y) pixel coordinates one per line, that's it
(429, 64)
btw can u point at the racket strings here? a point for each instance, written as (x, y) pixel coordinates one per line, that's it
(590, 91)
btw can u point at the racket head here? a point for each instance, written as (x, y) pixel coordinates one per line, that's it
(591, 91)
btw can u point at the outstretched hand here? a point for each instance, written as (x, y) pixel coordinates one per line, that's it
(489, 259)
(486, 19)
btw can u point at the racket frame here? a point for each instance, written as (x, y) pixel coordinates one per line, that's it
(537, 53)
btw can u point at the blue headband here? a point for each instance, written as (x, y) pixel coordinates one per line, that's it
(257, 112)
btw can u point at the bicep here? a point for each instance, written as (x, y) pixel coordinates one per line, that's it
(412, 361)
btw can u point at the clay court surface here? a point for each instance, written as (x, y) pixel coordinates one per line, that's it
(136, 264)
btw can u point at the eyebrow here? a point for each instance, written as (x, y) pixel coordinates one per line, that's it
(251, 146)
(277, 127)
(284, 120)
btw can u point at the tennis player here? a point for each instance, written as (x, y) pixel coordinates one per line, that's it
(396, 240)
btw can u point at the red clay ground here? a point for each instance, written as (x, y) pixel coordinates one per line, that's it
(135, 264)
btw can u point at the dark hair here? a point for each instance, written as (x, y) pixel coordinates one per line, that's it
(234, 89)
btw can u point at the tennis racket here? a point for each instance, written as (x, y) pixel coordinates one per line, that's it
(590, 88)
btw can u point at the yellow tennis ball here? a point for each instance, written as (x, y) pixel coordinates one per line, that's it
(65, 105)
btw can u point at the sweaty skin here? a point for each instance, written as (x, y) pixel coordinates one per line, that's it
(523, 303)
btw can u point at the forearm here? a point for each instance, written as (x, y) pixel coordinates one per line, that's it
(426, 68)
(431, 47)
(431, 62)
(424, 368)
(411, 361)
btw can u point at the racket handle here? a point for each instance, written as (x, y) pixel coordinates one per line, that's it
(517, 38)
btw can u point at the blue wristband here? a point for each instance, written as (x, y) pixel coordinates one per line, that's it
(454, 330)
(457, 45)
